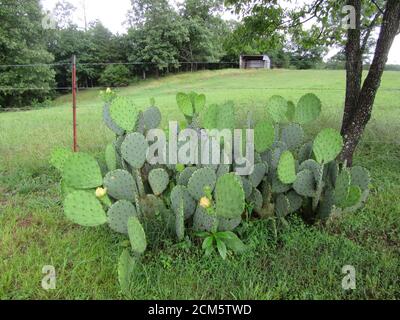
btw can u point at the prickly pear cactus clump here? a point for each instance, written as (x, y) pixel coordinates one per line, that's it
(142, 200)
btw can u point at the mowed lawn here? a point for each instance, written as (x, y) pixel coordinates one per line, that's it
(301, 262)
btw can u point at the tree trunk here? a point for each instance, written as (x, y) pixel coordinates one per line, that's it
(353, 65)
(358, 115)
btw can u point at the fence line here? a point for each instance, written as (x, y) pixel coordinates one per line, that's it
(114, 63)
(199, 88)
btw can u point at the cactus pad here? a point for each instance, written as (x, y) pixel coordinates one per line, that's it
(136, 234)
(258, 174)
(178, 194)
(305, 183)
(276, 156)
(332, 171)
(126, 265)
(360, 177)
(305, 152)
(199, 103)
(201, 178)
(264, 136)
(308, 108)
(202, 221)
(150, 205)
(277, 186)
(81, 171)
(290, 110)
(110, 122)
(118, 215)
(184, 104)
(219, 116)
(222, 169)
(83, 208)
(229, 196)
(185, 175)
(277, 108)
(282, 206)
(180, 221)
(353, 196)
(295, 201)
(228, 224)
(158, 180)
(327, 145)
(247, 186)
(342, 187)
(140, 124)
(120, 185)
(59, 156)
(313, 166)
(326, 207)
(111, 157)
(65, 189)
(152, 117)
(124, 113)
(134, 149)
(286, 168)
(292, 135)
(256, 200)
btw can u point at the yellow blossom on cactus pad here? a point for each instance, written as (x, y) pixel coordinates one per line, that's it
(101, 192)
(205, 202)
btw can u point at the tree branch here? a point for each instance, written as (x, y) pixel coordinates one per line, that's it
(376, 5)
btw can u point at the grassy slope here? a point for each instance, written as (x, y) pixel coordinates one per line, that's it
(302, 262)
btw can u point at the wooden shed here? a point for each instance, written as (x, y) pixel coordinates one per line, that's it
(254, 61)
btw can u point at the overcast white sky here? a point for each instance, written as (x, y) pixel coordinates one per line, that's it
(113, 13)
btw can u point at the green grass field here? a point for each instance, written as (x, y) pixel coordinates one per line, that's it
(303, 262)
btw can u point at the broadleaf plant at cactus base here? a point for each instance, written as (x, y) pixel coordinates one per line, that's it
(291, 175)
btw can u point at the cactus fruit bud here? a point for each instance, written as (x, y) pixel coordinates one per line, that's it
(205, 202)
(101, 192)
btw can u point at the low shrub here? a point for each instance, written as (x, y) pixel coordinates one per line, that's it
(115, 76)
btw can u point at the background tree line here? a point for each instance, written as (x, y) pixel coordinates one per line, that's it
(160, 39)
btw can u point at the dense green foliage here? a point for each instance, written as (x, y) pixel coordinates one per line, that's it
(22, 41)
(115, 76)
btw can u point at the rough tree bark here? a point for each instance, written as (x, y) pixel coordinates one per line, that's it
(359, 100)
(353, 65)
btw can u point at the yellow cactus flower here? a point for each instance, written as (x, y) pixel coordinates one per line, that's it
(101, 192)
(205, 202)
